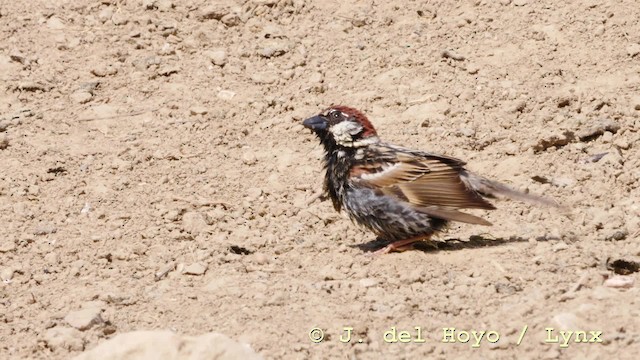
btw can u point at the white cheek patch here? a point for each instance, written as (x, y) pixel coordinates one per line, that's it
(343, 132)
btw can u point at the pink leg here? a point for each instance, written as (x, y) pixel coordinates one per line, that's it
(400, 245)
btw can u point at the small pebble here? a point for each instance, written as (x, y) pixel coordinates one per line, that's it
(168, 70)
(149, 4)
(195, 269)
(105, 14)
(217, 57)
(226, 94)
(613, 158)
(86, 208)
(616, 235)
(330, 272)
(368, 282)
(465, 131)
(214, 12)
(119, 19)
(81, 97)
(89, 86)
(55, 23)
(7, 246)
(563, 101)
(194, 222)
(633, 49)
(104, 70)
(414, 276)
(51, 258)
(33, 86)
(260, 259)
(231, 257)
(33, 189)
(556, 139)
(506, 288)
(622, 143)
(562, 182)
(164, 5)
(172, 215)
(249, 158)
(253, 193)
(166, 50)
(519, 106)
(75, 268)
(44, 229)
(6, 274)
(511, 149)
(18, 57)
(264, 78)
(359, 20)
(274, 49)
(598, 128)
(452, 55)
(84, 319)
(277, 299)
(288, 74)
(559, 247)
(619, 282)
(163, 271)
(473, 69)
(567, 321)
(198, 110)
(63, 338)
(230, 20)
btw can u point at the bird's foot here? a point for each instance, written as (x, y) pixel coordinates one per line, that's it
(398, 246)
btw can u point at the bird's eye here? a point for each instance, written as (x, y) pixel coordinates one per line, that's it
(335, 114)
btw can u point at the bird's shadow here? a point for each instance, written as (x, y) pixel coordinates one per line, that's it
(474, 242)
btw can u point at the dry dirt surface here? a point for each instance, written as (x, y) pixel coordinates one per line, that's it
(154, 175)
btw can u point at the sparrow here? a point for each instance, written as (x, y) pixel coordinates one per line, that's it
(404, 196)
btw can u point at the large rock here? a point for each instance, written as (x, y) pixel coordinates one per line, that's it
(164, 344)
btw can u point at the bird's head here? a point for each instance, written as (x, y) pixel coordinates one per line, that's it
(342, 126)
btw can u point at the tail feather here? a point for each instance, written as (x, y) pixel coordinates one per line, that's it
(494, 189)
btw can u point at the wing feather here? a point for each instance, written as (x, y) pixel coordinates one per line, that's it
(431, 183)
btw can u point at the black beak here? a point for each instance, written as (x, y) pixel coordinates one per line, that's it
(316, 123)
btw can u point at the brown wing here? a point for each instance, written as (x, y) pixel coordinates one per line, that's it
(431, 183)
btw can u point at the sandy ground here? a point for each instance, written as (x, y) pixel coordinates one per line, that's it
(154, 174)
